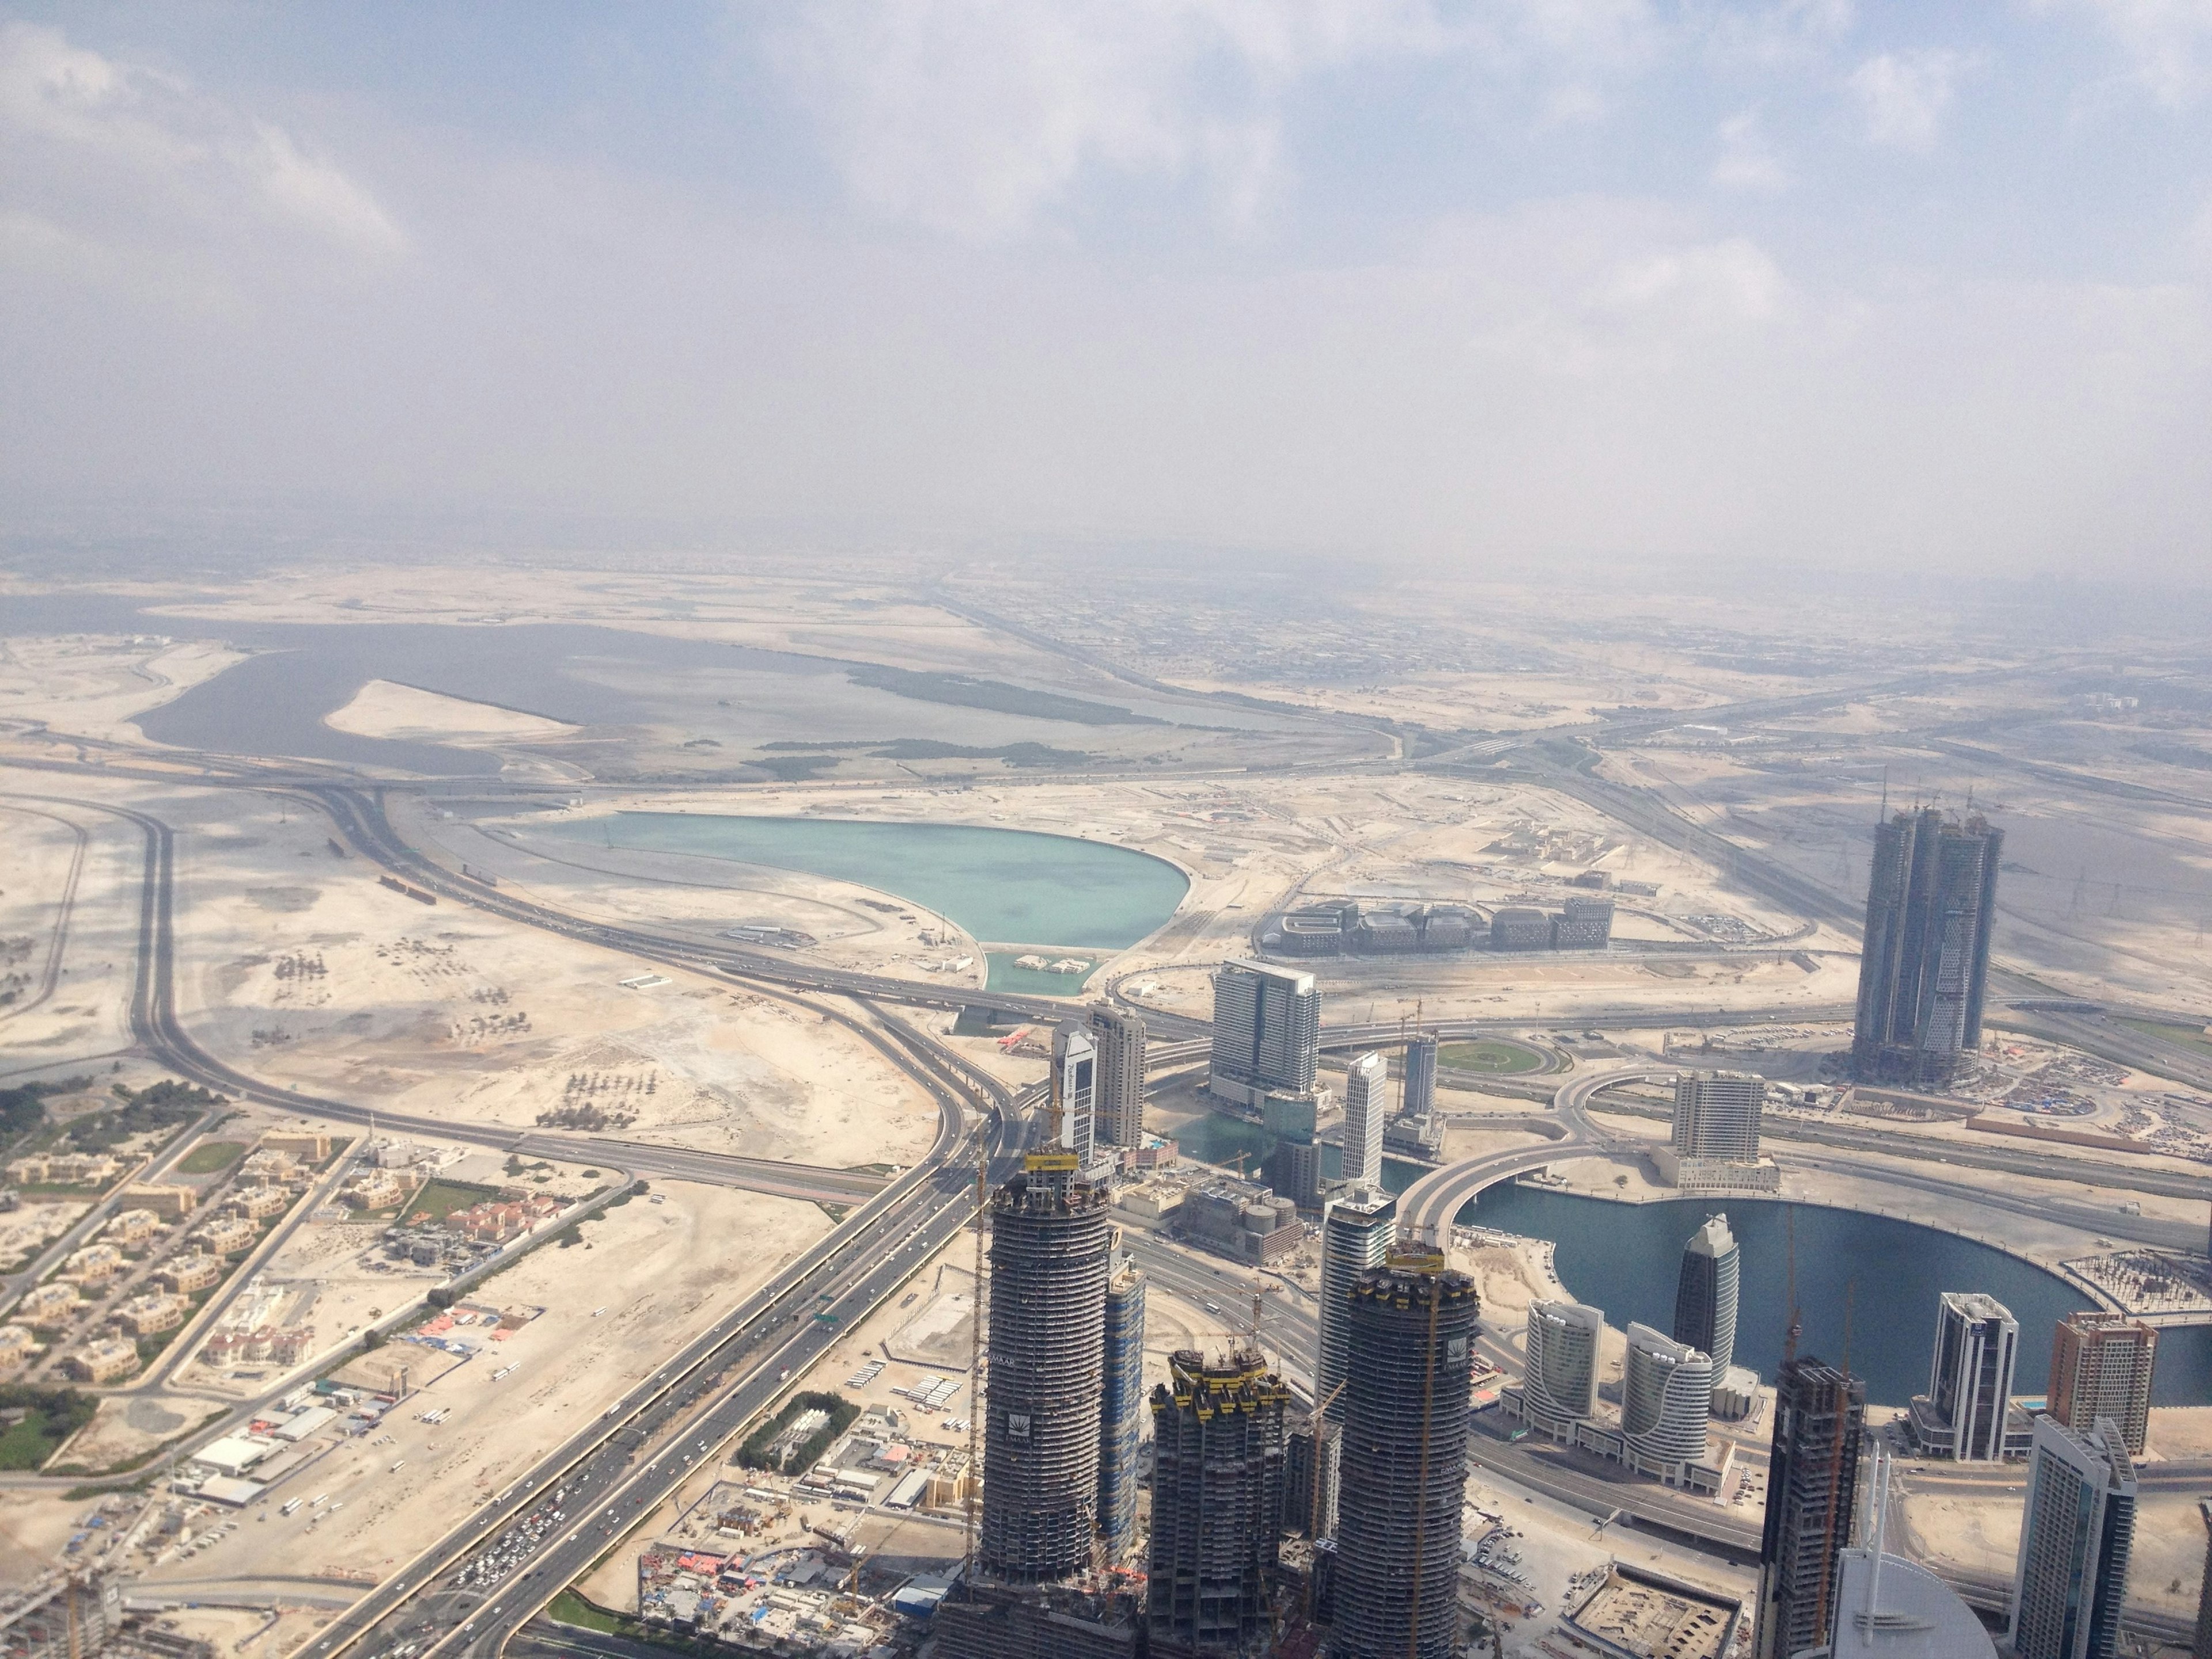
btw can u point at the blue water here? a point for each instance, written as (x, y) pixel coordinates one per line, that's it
(1623, 1258)
(1004, 886)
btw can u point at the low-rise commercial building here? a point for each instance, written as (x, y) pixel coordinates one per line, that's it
(259, 1203)
(93, 1264)
(309, 1146)
(189, 1271)
(1239, 1219)
(48, 1304)
(131, 1227)
(225, 1233)
(151, 1315)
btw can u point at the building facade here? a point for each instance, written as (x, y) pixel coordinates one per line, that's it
(2101, 1365)
(1666, 1397)
(1122, 1409)
(1962, 1415)
(1119, 1101)
(1404, 1479)
(1266, 1032)
(1560, 1387)
(2075, 1541)
(1812, 1488)
(1045, 1388)
(1705, 1293)
(1357, 1234)
(1931, 899)
(1366, 1090)
(1072, 1107)
(1717, 1116)
(1417, 1087)
(1218, 1476)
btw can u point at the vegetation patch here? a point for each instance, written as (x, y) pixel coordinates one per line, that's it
(755, 1453)
(1500, 1059)
(442, 1198)
(210, 1157)
(167, 1104)
(48, 1416)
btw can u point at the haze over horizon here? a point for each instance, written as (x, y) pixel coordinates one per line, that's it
(1820, 284)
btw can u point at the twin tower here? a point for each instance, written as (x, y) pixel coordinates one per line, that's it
(1063, 1409)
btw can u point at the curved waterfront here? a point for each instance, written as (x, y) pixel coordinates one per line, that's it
(1003, 886)
(1623, 1258)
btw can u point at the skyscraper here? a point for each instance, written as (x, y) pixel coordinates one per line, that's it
(2075, 1541)
(1405, 1461)
(1119, 1104)
(1962, 1415)
(1366, 1084)
(1812, 1484)
(1073, 1101)
(1717, 1114)
(1266, 1032)
(1560, 1387)
(1356, 1234)
(1925, 963)
(1217, 1503)
(1417, 1095)
(1121, 1408)
(1303, 1493)
(2101, 1365)
(2200, 1646)
(1043, 1404)
(1705, 1293)
(1666, 1395)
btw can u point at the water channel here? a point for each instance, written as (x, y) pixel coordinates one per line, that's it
(1624, 1258)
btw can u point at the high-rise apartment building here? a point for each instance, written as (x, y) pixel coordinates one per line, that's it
(1119, 1102)
(1962, 1415)
(1366, 1088)
(1717, 1114)
(1357, 1234)
(1050, 1244)
(2075, 1539)
(1417, 1088)
(1811, 1487)
(1405, 1462)
(1705, 1293)
(1924, 963)
(1218, 1473)
(1666, 1396)
(1560, 1387)
(1072, 1105)
(1266, 1032)
(1121, 1408)
(2101, 1365)
(1292, 1166)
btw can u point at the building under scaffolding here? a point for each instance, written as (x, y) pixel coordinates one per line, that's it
(1217, 1503)
(61, 1617)
(1122, 1414)
(1051, 1242)
(1409, 1370)
(983, 1621)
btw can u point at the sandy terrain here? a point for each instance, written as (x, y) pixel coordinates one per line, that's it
(306, 972)
(384, 709)
(94, 685)
(86, 1015)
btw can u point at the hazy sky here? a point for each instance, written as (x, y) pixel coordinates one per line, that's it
(1816, 282)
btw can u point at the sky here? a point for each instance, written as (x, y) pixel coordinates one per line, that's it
(1804, 285)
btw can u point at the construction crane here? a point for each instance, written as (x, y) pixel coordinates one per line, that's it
(1259, 1290)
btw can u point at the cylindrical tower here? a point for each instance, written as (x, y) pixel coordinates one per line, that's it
(1046, 1384)
(1409, 1368)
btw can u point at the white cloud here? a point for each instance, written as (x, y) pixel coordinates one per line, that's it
(975, 117)
(2168, 42)
(1747, 160)
(114, 152)
(1904, 95)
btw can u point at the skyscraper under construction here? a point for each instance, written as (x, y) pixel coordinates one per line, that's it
(1121, 1408)
(1925, 962)
(1409, 1368)
(1811, 1481)
(1044, 1404)
(1217, 1503)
